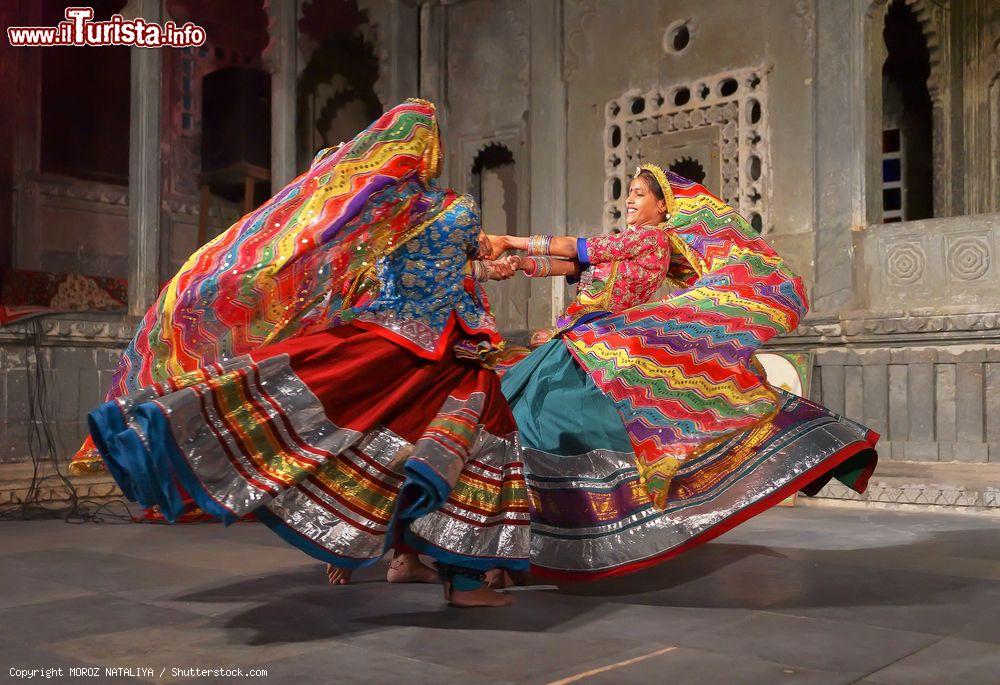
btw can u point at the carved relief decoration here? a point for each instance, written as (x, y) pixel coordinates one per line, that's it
(576, 38)
(968, 257)
(472, 144)
(905, 263)
(805, 12)
(934, 18)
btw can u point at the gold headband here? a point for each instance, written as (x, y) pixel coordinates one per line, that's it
(661, 179)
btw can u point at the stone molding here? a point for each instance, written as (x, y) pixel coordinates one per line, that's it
(917, 494)
(114, 330)
(110, 195)
(575, 41)
(931, 325)
(805, 12)
(74, 189)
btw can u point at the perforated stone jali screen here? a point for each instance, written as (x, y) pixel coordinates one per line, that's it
(717, 124)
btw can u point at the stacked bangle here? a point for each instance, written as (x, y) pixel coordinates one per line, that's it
(480, 271)
(539, 245)
(540, 267)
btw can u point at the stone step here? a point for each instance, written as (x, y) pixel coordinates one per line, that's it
(955, 486)
(906, 485)
(16, 478)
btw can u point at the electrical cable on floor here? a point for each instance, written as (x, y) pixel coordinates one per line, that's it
(42, 448)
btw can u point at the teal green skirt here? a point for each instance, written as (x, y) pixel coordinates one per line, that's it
(591, 516)
(557, 407)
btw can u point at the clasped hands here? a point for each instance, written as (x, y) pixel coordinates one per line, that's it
(500, 267)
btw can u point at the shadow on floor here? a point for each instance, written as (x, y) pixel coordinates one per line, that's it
(300, 606)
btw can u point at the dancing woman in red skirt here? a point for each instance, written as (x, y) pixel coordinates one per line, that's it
(324, 365)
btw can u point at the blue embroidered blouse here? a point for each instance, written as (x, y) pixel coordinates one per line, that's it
(427, 281)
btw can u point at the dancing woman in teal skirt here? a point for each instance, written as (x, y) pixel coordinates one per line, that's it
(646, 425)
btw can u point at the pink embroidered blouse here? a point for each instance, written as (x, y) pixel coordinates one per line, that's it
(622, 270)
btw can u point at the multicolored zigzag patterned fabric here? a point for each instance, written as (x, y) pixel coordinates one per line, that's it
(286, 268)
(680, 370)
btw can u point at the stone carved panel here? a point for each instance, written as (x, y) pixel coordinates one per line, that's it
(968, 257)
(905, 263)
(731, 102)
(926, 265)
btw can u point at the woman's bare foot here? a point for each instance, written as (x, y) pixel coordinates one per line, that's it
(406, 567)
(337, 575)
(480, 597)
(498, 579)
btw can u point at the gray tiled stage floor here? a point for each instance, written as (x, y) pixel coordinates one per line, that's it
(794, 596)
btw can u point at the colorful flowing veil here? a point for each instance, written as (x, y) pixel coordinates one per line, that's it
(291, 266)
(680, 370)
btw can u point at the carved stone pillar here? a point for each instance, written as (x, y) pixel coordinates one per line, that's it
(433, 65)
(842, 92)
(403, 41)
(547, 139)
(280, 58)
(144, 167)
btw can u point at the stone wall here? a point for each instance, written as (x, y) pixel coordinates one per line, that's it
(77, 360)
(929, 385)
(614, 58)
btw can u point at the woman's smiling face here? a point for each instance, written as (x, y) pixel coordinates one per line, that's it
(642, 206)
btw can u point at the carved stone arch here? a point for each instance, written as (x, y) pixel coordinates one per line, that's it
(688, 167)
(472, 145)
(339, 69)
(934, 18)
(481, 156)
(510, 300)
(494, 148)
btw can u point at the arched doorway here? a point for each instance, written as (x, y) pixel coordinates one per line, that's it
(907, 119)
(495, 187)
(690, 168)
(336, 89)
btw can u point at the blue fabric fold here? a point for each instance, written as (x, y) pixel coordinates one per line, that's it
(162, 468)
(423, 491)
(105, 423)
(143, 474)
